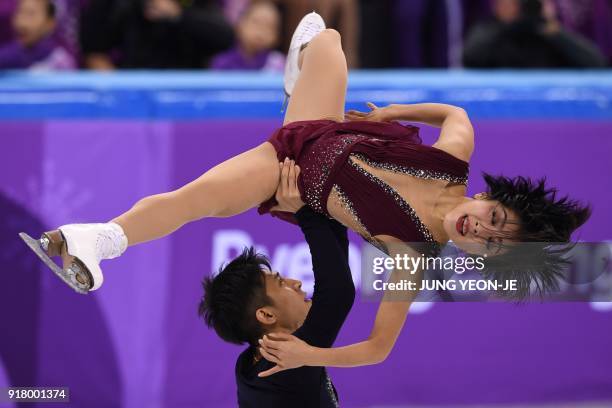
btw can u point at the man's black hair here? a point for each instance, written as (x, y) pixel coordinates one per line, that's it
(232, 297)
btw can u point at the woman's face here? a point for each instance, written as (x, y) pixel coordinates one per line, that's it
(481, 226)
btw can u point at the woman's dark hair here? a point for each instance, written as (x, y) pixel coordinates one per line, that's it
(232, 297)
(544, 218)
(546, 224)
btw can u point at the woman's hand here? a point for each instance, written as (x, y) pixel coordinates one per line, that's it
(287, 192)
(285, 350)
(376, 114)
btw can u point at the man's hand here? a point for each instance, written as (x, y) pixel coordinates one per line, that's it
(285, 350)
(376, 114)
(287, 192)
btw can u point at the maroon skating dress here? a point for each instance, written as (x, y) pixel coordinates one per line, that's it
(322, 148)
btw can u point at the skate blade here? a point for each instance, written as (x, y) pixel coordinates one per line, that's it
(65, 276)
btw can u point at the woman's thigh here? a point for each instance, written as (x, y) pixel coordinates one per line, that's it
(234, 186)
(320, 90)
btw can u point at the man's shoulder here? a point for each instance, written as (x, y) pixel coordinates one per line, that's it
(297, 387)
(245, 359)
(248, 368)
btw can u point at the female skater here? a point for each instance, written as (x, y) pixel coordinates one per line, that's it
(370, 173)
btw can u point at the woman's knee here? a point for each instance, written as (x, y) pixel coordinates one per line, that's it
(333, 34)
(328, 47)
(328, 36)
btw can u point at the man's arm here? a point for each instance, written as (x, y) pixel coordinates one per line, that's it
(390, 319)
(334, 291)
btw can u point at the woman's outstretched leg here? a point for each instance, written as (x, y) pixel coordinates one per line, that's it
(227, 189)
(250, 178)
(320, 90)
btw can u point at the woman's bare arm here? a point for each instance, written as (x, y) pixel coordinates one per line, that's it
(290, 352)
(433, 114)
(456, 133)
(389, 321)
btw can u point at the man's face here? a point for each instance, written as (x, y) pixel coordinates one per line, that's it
(31, 22)
(289, 304)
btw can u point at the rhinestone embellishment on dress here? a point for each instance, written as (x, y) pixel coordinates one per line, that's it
(330, 389)
(399, 200)
(347, 204)
(420, 173)
(320, 163)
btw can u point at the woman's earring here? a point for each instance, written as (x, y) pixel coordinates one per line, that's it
(481, 196)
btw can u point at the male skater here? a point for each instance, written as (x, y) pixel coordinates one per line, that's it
(247, 300)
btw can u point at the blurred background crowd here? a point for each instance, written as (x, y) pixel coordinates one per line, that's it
(253, 34)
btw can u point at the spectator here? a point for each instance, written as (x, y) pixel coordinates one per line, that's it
(7, 7)
(152, 33)
(422, 30)
(412, 34)
(377, 48)
(475, 11)
(233, 9)
(33, 24)
(67, 32)
(590, 18)
(527, 34)
(257, 34)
